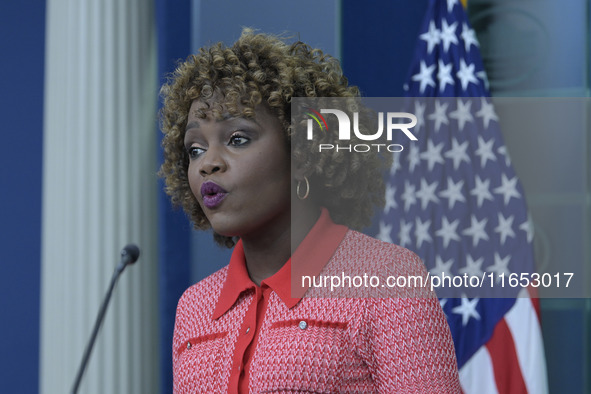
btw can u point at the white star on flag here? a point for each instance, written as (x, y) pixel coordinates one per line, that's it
(508, 189)
(385, 230)
(469, 37)
(505, 227)
(431, 36)
(453, 192)
(432, 154)
(476, 230)
(427, 193)
(528, 227)
(441, 267)
(473, 267)
(420, 114)
(462, 113)
(422, 231)
(444, 75)
(501, 266)
(466, 74)
(448, 231)
(390, 201)
(486, 112)
(457, 153)
(424, 77)
(481, 191)
(414, 159)
(485, 151)
(404, 233)
(503, 152)
(395, 164)
(448, 34)
(409, 195)
(484, 76)
(467, 309)
(439, 116)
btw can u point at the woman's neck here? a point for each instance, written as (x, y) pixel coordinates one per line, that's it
(265, 254)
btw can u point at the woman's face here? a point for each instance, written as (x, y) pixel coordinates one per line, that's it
(239, 171)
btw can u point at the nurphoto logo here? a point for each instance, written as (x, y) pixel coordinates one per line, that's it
(395, 122)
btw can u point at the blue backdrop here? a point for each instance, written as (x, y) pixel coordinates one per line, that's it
(173, 22)
(22, 44)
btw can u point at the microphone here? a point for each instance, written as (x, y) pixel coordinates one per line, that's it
(129, 255)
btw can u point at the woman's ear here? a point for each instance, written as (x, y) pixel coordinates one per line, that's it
(298, 171)
(299, 176)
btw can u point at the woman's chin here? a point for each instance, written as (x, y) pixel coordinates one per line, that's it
(225, 231)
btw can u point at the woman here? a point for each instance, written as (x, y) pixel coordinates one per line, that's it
(226, 120)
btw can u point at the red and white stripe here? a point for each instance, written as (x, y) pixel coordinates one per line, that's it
(513, 360)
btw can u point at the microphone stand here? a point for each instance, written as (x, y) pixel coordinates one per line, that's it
(127, 257)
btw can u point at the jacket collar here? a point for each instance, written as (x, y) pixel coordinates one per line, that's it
(309, 259)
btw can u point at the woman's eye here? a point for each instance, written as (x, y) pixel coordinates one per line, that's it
(238, 140)
(194, 152)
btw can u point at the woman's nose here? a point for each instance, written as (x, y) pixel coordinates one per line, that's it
(212, 162)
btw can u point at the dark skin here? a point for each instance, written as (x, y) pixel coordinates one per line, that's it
(249, 162)
(264, 257)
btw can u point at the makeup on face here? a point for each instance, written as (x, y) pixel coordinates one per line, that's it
(212, 194)
(240, 171)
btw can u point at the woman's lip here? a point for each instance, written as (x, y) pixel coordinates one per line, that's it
(213, 200)
(210, 187)
(212, 194)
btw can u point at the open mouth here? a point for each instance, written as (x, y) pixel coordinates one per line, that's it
(213, 194)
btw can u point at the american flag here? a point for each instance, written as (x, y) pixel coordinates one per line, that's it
(455, 200)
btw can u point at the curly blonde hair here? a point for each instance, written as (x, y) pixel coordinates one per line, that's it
(264, 69)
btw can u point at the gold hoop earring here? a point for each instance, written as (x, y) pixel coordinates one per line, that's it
(307, 189)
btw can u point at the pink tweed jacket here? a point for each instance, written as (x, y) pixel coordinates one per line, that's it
(393, 344)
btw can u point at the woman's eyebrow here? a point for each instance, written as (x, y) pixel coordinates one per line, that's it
(229, 117)
(225, 117)
(192, 125)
